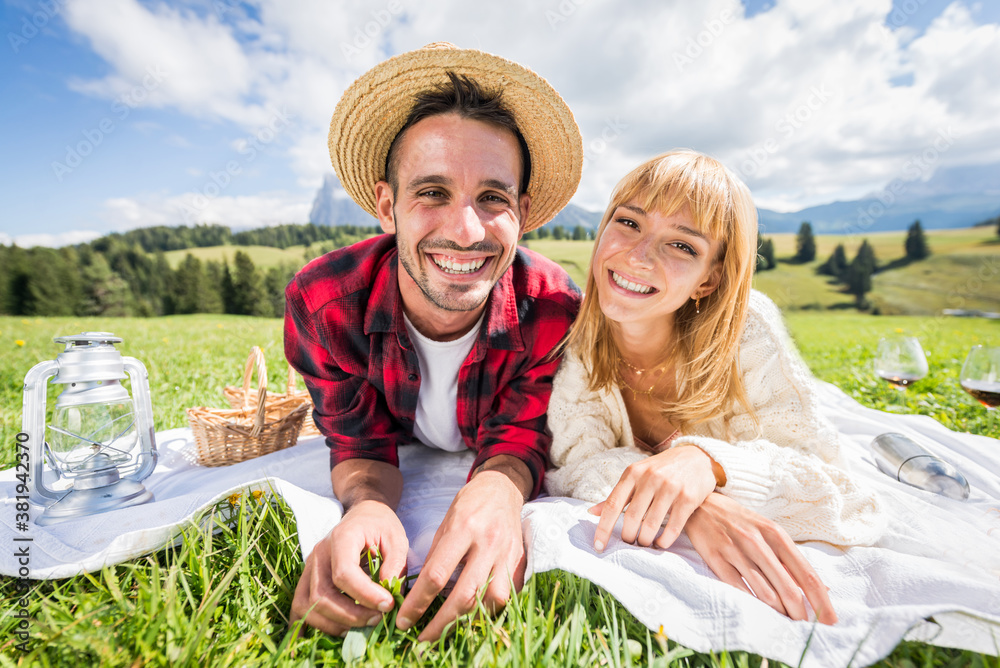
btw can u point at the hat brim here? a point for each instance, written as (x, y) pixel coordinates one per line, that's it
(374, 108)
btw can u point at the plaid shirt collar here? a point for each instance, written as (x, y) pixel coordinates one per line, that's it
(502, 329)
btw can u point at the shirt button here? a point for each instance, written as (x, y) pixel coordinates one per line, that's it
(412, 376)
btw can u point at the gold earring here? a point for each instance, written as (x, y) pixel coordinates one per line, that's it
(697, 304)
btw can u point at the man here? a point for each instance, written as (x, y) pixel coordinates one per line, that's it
(440, 331)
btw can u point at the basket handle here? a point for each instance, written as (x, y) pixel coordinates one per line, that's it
(291, 379)
(256, 358)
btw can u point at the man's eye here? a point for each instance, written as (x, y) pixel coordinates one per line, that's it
(495, 199)
(431, 193)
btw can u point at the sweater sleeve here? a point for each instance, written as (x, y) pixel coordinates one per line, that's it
(588, 452)
(790, 469)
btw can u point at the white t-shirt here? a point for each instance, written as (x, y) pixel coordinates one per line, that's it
(437, 403)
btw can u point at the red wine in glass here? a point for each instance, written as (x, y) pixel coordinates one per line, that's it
(980, 375)
(900, 361)
(988, 394)
(899, 381)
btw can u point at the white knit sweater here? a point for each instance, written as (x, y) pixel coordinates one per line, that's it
(791, 472)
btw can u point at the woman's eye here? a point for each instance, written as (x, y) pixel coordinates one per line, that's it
(627, 222)
(684, 247)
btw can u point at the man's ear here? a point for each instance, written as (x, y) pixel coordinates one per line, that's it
(524, 205)
(383, 207)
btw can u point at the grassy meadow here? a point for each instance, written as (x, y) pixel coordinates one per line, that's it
(222, 596)
(963, 272)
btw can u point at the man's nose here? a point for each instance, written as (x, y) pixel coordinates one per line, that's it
(465, 226)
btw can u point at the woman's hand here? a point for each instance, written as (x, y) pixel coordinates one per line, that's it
(743, 548)
(675, 481)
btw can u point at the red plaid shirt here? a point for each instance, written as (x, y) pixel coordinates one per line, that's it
(344, 332)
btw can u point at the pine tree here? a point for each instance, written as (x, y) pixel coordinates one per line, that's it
(765, 254)
(104, 292)
(558, 232)
(188, 285)
(916, 243)
(805, 244)
(836, 265)
(579, 233)
(249, 296)
(767, 251)
(859, 272)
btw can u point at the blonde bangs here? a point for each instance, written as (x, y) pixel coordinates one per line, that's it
(705, 356)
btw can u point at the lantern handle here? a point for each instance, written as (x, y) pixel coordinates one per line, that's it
(139, 378)
(33, 426)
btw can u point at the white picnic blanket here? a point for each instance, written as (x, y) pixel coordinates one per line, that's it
(935, 576)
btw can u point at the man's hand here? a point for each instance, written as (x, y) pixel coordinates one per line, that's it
(334, 593)
(481, 531)
(674, 481)
(738, 544)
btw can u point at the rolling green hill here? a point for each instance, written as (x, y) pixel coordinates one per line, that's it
(962, 272)
(262, 256)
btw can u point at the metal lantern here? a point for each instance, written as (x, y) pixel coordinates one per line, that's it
(99, 444)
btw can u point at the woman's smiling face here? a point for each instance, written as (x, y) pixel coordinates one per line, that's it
(648, 265)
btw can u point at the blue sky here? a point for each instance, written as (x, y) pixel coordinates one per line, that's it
(122, 114)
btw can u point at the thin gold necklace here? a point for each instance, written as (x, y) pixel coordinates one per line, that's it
(639, 372)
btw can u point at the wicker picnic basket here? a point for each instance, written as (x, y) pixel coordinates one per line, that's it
(277, 405)
(224, 436)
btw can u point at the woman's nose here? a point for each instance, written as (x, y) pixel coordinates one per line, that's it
(639, 254)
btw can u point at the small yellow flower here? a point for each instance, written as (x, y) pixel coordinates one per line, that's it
(234, 499)
(219, 325)
(258, 495)
(19, 343)
(899, 330)
(25, 322)
(166, 340)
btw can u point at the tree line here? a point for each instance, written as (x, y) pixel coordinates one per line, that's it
(558, 232)
(856, 274)
(127, 274)
(165, 238)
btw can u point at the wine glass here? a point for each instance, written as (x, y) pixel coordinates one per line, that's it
(980, 376)
(900, 361)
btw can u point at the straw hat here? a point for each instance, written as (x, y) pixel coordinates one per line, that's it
(373, 110)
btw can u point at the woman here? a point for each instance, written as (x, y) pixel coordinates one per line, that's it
(672, 349)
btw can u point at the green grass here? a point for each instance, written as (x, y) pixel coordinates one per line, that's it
(961, 273)
(262, 256)
(222, 596)
(574, 256)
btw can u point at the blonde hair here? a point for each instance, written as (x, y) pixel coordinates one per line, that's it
(706, 348)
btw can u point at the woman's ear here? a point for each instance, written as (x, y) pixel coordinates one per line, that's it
(711, 282)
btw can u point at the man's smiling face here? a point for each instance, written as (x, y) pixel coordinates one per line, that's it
(457, 214)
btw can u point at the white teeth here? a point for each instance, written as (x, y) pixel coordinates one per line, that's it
(460, 267)
(630, 286)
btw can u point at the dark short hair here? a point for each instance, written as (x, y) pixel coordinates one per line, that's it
(465, 97)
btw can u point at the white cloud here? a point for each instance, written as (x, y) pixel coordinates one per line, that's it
(50, 240)
(124, 213)
(799, 99)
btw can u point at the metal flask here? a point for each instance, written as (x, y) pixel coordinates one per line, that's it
(906, 460)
